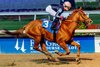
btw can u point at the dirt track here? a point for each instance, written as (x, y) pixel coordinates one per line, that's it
(39, 60)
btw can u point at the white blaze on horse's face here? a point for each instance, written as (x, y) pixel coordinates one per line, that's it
(24, 32)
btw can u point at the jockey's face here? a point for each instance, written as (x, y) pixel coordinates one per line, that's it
(67, 6)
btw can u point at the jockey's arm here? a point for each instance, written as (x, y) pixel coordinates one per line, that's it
(57, 14)
(50, 10)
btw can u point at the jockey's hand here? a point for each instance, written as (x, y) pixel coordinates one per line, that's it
(62, 18)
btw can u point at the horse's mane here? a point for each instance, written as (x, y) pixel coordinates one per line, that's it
(74, 12)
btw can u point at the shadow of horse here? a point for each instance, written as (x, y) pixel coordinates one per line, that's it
(63, 60)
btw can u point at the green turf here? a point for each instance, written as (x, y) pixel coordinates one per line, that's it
(14, 24)
(92, 4)
(95, 18)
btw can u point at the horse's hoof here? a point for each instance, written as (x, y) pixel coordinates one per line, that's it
(68, 53)
(56, 51)
(78, 61)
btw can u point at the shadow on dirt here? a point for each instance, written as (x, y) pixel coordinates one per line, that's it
(72, 59)
(7, 64)
(63, 60)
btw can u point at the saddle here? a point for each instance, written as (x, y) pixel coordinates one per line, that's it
(47, 24)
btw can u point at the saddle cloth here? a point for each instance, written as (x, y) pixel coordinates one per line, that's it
(47, 25)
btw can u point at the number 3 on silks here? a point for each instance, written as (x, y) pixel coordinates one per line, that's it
(45, 23)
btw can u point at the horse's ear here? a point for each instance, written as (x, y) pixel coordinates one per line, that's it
(80, 8)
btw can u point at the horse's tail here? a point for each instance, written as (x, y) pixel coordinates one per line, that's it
(17, 33)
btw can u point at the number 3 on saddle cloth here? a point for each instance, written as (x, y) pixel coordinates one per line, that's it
(47, 24)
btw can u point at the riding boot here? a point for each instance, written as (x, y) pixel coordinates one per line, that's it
(55, 24)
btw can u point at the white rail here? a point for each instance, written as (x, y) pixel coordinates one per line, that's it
(95, 32)
(88, 31)
(40, 13)
(76, 31)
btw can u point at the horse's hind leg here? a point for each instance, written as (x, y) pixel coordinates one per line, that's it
(36, 45)
(43, 47)
(45, 51)
(73, 43)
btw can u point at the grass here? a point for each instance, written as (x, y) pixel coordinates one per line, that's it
(95, 18)
(92, 4)
(12, 25)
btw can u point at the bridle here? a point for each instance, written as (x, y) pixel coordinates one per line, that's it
(81, 14)
(85, 19)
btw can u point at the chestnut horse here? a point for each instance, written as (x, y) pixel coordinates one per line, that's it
(64, 36)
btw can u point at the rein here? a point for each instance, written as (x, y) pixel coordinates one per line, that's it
(83, 16)
(71, 21)
(86, 19)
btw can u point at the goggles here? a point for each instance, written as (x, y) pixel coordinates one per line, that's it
(67, 7)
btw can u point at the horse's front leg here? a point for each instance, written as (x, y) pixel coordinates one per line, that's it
(73, 43)
(65, 47)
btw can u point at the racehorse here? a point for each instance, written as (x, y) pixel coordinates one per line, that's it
(64, 35)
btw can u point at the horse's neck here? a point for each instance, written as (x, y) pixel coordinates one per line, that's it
(71, 22)
(71, 25)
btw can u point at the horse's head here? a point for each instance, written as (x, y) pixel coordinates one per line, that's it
(78, 15)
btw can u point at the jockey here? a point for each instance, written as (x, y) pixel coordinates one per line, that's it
(57, 10)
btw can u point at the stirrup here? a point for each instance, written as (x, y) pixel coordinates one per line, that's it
(53, 28)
